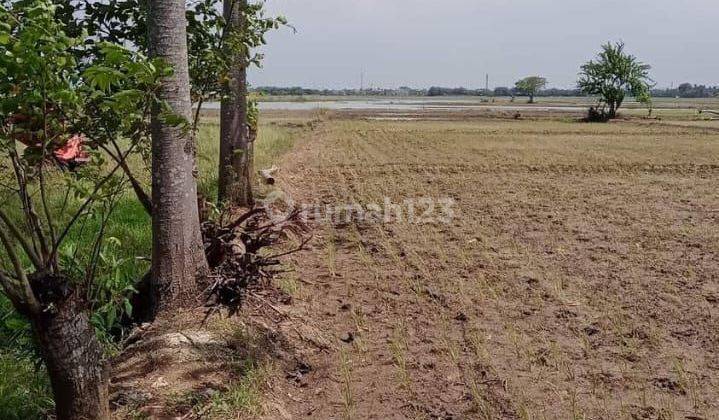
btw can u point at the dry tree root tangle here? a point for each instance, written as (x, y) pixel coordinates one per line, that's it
(239, 253)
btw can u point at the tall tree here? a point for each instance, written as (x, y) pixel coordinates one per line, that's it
(177, 252)
(54, 85)
(35, 68)
(236, 145)
(612, 75)
(530, 86)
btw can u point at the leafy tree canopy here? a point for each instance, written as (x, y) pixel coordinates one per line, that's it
(55, 85)
(531, 85)
(210, 46)
(612, 75)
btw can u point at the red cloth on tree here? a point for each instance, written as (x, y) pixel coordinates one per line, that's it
(72, 151)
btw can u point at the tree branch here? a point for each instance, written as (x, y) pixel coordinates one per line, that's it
(41, 171)
(27, 295)
(6, 283)
(109, 208)
(142, 196)
(7, 275)
(45, 206)
(196, 119)
(22, 240)
(87, 202)
(28, 208)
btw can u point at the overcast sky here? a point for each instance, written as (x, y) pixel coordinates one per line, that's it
(421, 43)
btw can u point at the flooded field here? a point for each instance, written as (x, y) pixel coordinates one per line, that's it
(663, 107)
(441, 104)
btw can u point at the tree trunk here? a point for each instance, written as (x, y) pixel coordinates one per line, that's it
(531, 98)
(74, 359)
(612, 110)
(177, 252)
(236, 146)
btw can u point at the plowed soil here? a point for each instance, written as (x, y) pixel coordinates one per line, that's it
(578, 277)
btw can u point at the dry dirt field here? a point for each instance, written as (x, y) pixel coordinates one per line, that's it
(578, 278)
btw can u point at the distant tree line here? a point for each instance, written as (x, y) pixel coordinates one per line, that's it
(505, 91)
(459, 91)
(407, 91)
(685, 90)
(300, 91)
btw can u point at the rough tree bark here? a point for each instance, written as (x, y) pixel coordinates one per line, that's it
(74, 358)
(177, 253)
(612, 110)
(236, 145)
(60, 322)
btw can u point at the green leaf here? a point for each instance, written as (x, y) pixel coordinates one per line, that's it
(128, 307)
(173, 119)
(111, 316)
(15, 324)
(128, 97)
(114, 54)
(102, 77)
(66, 96)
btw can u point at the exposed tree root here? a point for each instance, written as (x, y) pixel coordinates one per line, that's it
(239, 255)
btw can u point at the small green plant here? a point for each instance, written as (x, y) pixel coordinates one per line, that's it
(290, 284)
(688, 382)
(360, 322)
(347, 397)
(112, 288)
(480, 404)
(398, 348)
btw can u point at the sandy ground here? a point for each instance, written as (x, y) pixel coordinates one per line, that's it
(578, 276)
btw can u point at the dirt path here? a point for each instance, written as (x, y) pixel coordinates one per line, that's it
(578, 278)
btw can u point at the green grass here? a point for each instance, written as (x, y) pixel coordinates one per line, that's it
(271, 144)
(130, 224)
(243, 396)
(24, 389)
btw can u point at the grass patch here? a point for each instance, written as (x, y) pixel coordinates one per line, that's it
(272, 142)
(243, 397)
(24, 389)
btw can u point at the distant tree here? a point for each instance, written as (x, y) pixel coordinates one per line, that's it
(502, 91)
(612, 75)
(443, 91)
(530, 86)
(242, 32)
(688, 90)
(236, 147)
(684, 89)
(434, 91)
